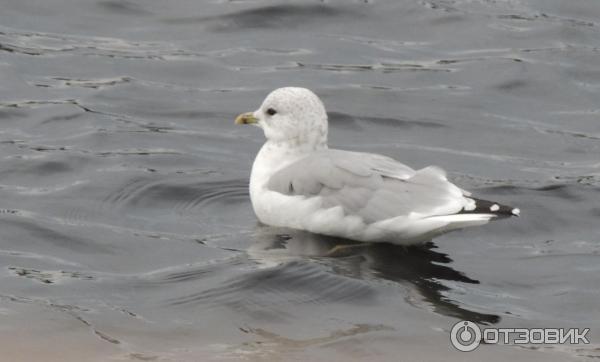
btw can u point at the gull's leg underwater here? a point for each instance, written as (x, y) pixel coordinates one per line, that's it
(340, 250)
(345, 249)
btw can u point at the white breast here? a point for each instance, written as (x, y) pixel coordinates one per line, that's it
(300, 212)
(270, 159)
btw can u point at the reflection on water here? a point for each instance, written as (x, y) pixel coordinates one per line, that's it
(422, 267)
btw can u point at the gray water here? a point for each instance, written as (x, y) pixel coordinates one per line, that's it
(126, 231)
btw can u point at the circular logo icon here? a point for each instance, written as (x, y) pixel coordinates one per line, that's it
(465, 336)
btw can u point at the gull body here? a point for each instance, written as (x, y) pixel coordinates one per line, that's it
(297, 181)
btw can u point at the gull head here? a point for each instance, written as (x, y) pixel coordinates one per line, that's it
(292, 116)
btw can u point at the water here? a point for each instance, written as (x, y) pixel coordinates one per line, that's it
(126, 229)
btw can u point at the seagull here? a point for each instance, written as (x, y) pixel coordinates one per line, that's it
(298, 182)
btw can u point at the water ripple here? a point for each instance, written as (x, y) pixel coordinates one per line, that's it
(295, 282)
(180, 197)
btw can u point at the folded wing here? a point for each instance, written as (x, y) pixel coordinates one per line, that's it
(374, 187)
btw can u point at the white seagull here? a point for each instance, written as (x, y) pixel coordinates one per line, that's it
(298, 182)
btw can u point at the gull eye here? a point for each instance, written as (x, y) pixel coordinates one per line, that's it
(271, 111)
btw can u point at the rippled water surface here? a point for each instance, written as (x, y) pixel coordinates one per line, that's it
(126, 231)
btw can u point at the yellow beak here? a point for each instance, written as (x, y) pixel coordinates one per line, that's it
(246, 118)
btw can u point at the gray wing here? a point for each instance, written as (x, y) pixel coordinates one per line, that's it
(371, 186)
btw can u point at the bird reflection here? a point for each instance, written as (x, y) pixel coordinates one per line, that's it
(422, 267)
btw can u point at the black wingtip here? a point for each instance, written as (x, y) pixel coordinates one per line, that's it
(494, 208)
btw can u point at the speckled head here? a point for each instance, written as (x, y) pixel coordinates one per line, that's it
(291, 115)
